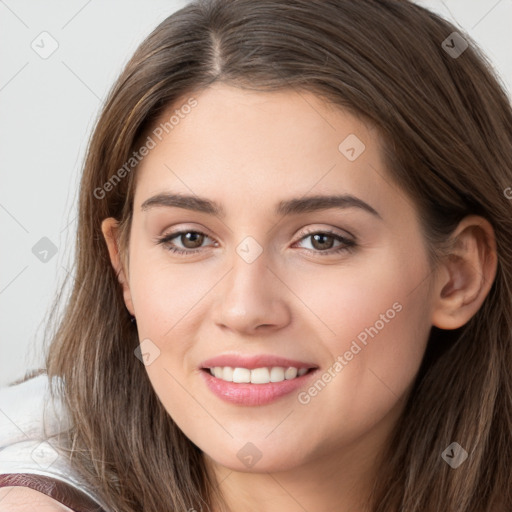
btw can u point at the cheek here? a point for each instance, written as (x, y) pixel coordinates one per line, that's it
(374, 320)
(380, 362)
(384, 292)
(170, 302)
(167, 297)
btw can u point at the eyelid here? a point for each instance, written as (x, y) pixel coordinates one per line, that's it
(330, 230)
(184, 228)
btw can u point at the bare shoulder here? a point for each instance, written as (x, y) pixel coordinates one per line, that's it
(24, 499)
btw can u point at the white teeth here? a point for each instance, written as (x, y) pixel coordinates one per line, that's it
(290, 373)
(227, 374)
(257, 375)
(277, 374)
(260, 376)
(241, 375)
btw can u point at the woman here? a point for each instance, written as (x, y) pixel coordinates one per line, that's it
(294, 270)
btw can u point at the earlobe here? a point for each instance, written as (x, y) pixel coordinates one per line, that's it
(109, 228)
(466, 274)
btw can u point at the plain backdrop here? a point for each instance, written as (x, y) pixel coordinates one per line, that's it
(48, 106)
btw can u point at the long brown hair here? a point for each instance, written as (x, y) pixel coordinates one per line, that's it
(447, 124)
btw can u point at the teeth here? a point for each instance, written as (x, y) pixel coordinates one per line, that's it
(257, 375)
(241, 375)
(277, 374)
(290, 373)
(260, 376)
(227, 374)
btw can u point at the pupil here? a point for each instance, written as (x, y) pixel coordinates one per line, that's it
(322, 238)
(192, 238)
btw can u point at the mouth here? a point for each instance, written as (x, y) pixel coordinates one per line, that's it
(254, 380)
(262, 375)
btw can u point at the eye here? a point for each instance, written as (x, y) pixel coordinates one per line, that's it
(323, 242)
(191, 241)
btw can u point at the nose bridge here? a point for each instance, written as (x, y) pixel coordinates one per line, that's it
(248, 276)
(251, 296)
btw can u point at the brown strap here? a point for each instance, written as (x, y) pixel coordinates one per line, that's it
(59, 491)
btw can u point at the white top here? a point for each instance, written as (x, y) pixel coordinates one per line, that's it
(28, 416)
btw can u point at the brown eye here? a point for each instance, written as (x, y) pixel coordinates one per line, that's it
(327, 242)
(184, 242)
(322, 241)
(192, 239)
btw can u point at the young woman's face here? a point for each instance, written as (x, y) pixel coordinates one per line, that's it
(297, 254)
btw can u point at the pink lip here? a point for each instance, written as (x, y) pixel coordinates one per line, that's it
(253, 394)
(251, 362)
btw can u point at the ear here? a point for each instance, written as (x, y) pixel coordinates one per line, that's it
(110, 228)
(465, 274)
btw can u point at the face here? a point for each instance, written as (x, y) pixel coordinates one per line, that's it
(294, 257)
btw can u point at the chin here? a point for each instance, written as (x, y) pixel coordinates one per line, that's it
(251, 459)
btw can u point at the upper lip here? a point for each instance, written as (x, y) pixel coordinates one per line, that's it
(254, 361)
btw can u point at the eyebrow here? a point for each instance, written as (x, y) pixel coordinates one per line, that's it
(284, 208)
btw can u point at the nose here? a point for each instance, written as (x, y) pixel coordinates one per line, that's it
(252, 298)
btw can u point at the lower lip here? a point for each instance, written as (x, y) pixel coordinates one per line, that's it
(253, 394)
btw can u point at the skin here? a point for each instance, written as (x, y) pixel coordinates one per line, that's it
(248, 151)
(24, 499)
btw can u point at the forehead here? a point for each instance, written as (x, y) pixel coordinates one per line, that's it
(260, 146)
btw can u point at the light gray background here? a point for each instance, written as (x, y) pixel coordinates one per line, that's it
(47, 111)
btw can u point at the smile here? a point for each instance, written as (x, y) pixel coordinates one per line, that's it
(262, 375)
(256, 386)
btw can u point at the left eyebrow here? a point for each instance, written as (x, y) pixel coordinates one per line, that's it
(284, 208)
(320, 202)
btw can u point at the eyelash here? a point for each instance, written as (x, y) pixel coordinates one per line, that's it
(348, 245)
